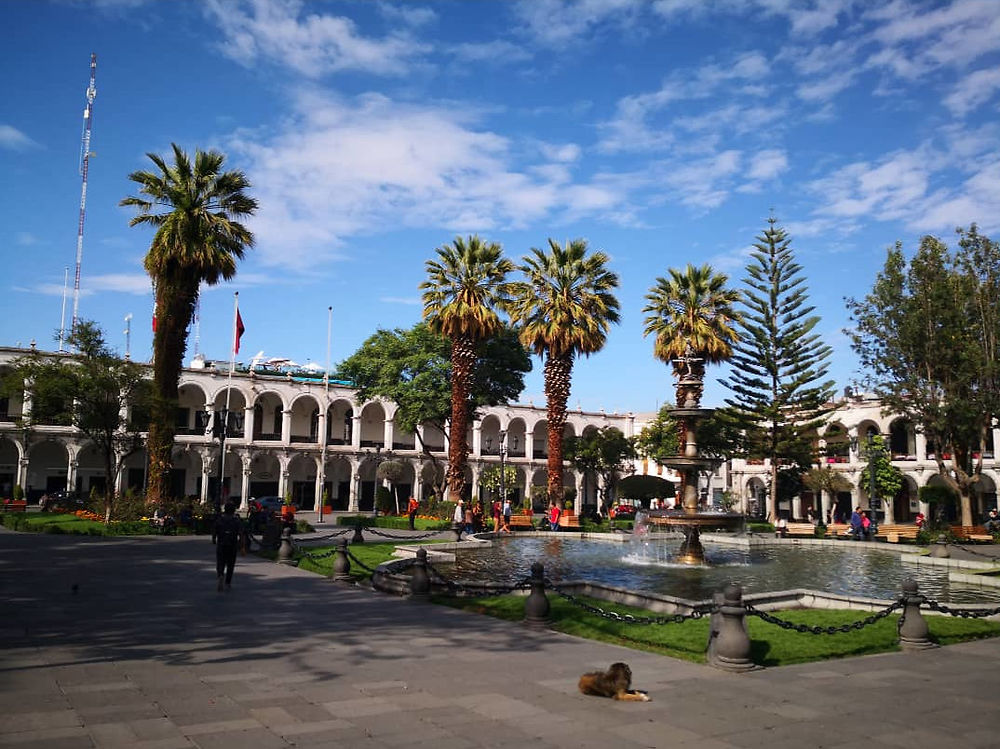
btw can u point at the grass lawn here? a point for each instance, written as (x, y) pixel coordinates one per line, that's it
(770, 645)
(52, 522)
(371, 554)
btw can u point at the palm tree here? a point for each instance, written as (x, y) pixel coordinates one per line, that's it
(692, 315)
(564, 307)
(194, 209)
(465, 287)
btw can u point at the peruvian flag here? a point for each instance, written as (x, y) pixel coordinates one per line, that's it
(239, 331)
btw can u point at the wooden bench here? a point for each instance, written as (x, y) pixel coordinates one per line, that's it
(570, 521)
(892, 533)
(799, 529)
(971, 533)
(522, 521)
(15, 505)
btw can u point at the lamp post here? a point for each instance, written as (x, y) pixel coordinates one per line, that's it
(220, 427)
(874, 452)
(503, 467)
(326, 414)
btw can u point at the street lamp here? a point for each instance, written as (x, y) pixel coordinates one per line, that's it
(220, 427)
(874, 452)
(503, 468)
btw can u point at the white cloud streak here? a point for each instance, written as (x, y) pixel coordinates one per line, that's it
(14, 139)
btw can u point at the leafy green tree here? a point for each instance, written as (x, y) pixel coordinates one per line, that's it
(780, 394)
(392, 471)
(606, 453)
(888, 479)
(95, 391)
(491, 480)
(658, 440)
(465, 288)
(926, 336)
(412, 368)
(564, 307)
(195, 209)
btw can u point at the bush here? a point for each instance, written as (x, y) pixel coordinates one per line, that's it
(383, 501)
(367, 521)
(819, 531)
(446, 510)
(301, 526)
(760, 528)
(18, 493)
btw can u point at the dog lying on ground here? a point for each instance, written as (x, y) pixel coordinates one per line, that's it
(615, 683)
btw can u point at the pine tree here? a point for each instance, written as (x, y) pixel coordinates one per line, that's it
(780, 394)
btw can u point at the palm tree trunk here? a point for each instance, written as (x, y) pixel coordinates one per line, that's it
(558, 378)
(463, 362)
(175, 300)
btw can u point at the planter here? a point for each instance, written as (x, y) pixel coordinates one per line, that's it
(287, 512)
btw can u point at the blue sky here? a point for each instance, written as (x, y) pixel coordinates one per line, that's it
(663, 132)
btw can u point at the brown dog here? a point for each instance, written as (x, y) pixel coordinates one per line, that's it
(615, 683)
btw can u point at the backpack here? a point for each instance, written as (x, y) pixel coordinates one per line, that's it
(228, 534)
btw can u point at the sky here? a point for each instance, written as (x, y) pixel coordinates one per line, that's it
(663, 132)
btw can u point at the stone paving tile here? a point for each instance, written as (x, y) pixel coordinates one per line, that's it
(34, 721)
(360, 707)
(71, 736)
(299, 728)
(258, 738)
(120, 713)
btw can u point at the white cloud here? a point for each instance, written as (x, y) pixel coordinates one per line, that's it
(25, 239)
(314, 44)
(768, 164)
(346, 167)
(400, 300)
(806, 17)
(973, 91)
(497, 52)
(411, 15)
(556, 22)
(14, 139)
(124, 283)
(703, 184)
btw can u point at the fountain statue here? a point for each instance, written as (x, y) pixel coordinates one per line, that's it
(689, 517)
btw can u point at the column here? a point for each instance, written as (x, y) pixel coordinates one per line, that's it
(206, 467)
(355, 486)
(248, 424)
(356, 431)
(209, 419)
(321, 427)
(921, 446)
(71, 468)
(418, 485)
(796, 507)
(245, 486)
(477, 471)
(286, 428)
(529, 445)
(320, 478)
(388, 434)
(477, 438)
(22, 472)
(853, 455)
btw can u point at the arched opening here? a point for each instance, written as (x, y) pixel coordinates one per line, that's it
(192, 418)
(305, 420)
(48, 463)
(267, 416)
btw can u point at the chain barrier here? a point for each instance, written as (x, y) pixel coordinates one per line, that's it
(455, 586)
(358, 562)
(965, 613)
(817, 630)
(697, 613)
(313, 556)
(311, 538)
(403, 538)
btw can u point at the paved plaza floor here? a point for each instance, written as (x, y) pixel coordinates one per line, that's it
(124, 642)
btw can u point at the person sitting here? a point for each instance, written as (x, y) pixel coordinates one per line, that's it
(992, 524)
(857, 529)
(919, 520)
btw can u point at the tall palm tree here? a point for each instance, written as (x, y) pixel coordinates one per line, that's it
(194, 208)
(564, 307)
(691, 314)
(466, 286)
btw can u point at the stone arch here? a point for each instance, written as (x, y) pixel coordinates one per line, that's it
(10, 461)
(515, 438)
(11, 404)
(431, 474)
(265, 475)
(340, 422)
(89, 470)
(304, 419)
(489, 435)
(237, 409)
(302, 480)
(186, 472)
(540, 438)
(268, 413)
(539, 478)
(373, 425)
(902, 439)
(434, 438)
(756, 497)
(984, 494)
(837, 442)
(48, 463)
(338, 482)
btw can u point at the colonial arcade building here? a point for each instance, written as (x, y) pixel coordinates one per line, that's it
(289, 433)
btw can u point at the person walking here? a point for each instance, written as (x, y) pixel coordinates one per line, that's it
(506, 516)
(495, 511)
(554, 513)
(411, 511)
(226, 535)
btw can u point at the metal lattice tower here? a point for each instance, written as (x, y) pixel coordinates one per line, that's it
(84, 168)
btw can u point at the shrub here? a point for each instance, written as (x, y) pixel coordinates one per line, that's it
(383, 501)
(760, 528)
(18, 492)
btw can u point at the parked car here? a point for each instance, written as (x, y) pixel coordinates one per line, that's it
(271, 504)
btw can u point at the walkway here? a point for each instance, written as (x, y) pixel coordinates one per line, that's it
(145, 653)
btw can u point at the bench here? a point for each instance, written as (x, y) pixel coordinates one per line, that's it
(15, 505)
(798, 529)
(522, 521)
(569, 521)
(971, 533)
(892, 533)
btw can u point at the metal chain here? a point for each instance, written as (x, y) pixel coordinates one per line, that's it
(966, 613)
(317, 555)
(358, 562)
(403, 538)
(311, 539)
(817, 630)
(697, 613)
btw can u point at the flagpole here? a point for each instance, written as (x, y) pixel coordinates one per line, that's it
(225, 411)
(326, 413)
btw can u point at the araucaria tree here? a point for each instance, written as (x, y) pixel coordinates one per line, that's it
(927, 336)
(564, 307)
(465, 288)
(779, 366)
(195, 209)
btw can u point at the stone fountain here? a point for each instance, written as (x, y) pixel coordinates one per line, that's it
(690, 517)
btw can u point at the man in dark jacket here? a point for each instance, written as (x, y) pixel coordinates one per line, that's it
(227, 533)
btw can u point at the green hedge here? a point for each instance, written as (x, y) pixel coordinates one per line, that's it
(393, 522)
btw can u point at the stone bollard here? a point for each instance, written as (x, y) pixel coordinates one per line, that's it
(286, 553)
(358, 538)
(731, 648)
(940, 549)
(341, 564)
(913, 632)
(456, 528)
(420, 581)
(536, 605)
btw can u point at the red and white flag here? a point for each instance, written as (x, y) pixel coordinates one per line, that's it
(239, 332)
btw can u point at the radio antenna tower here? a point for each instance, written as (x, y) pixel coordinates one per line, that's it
(84, 168)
